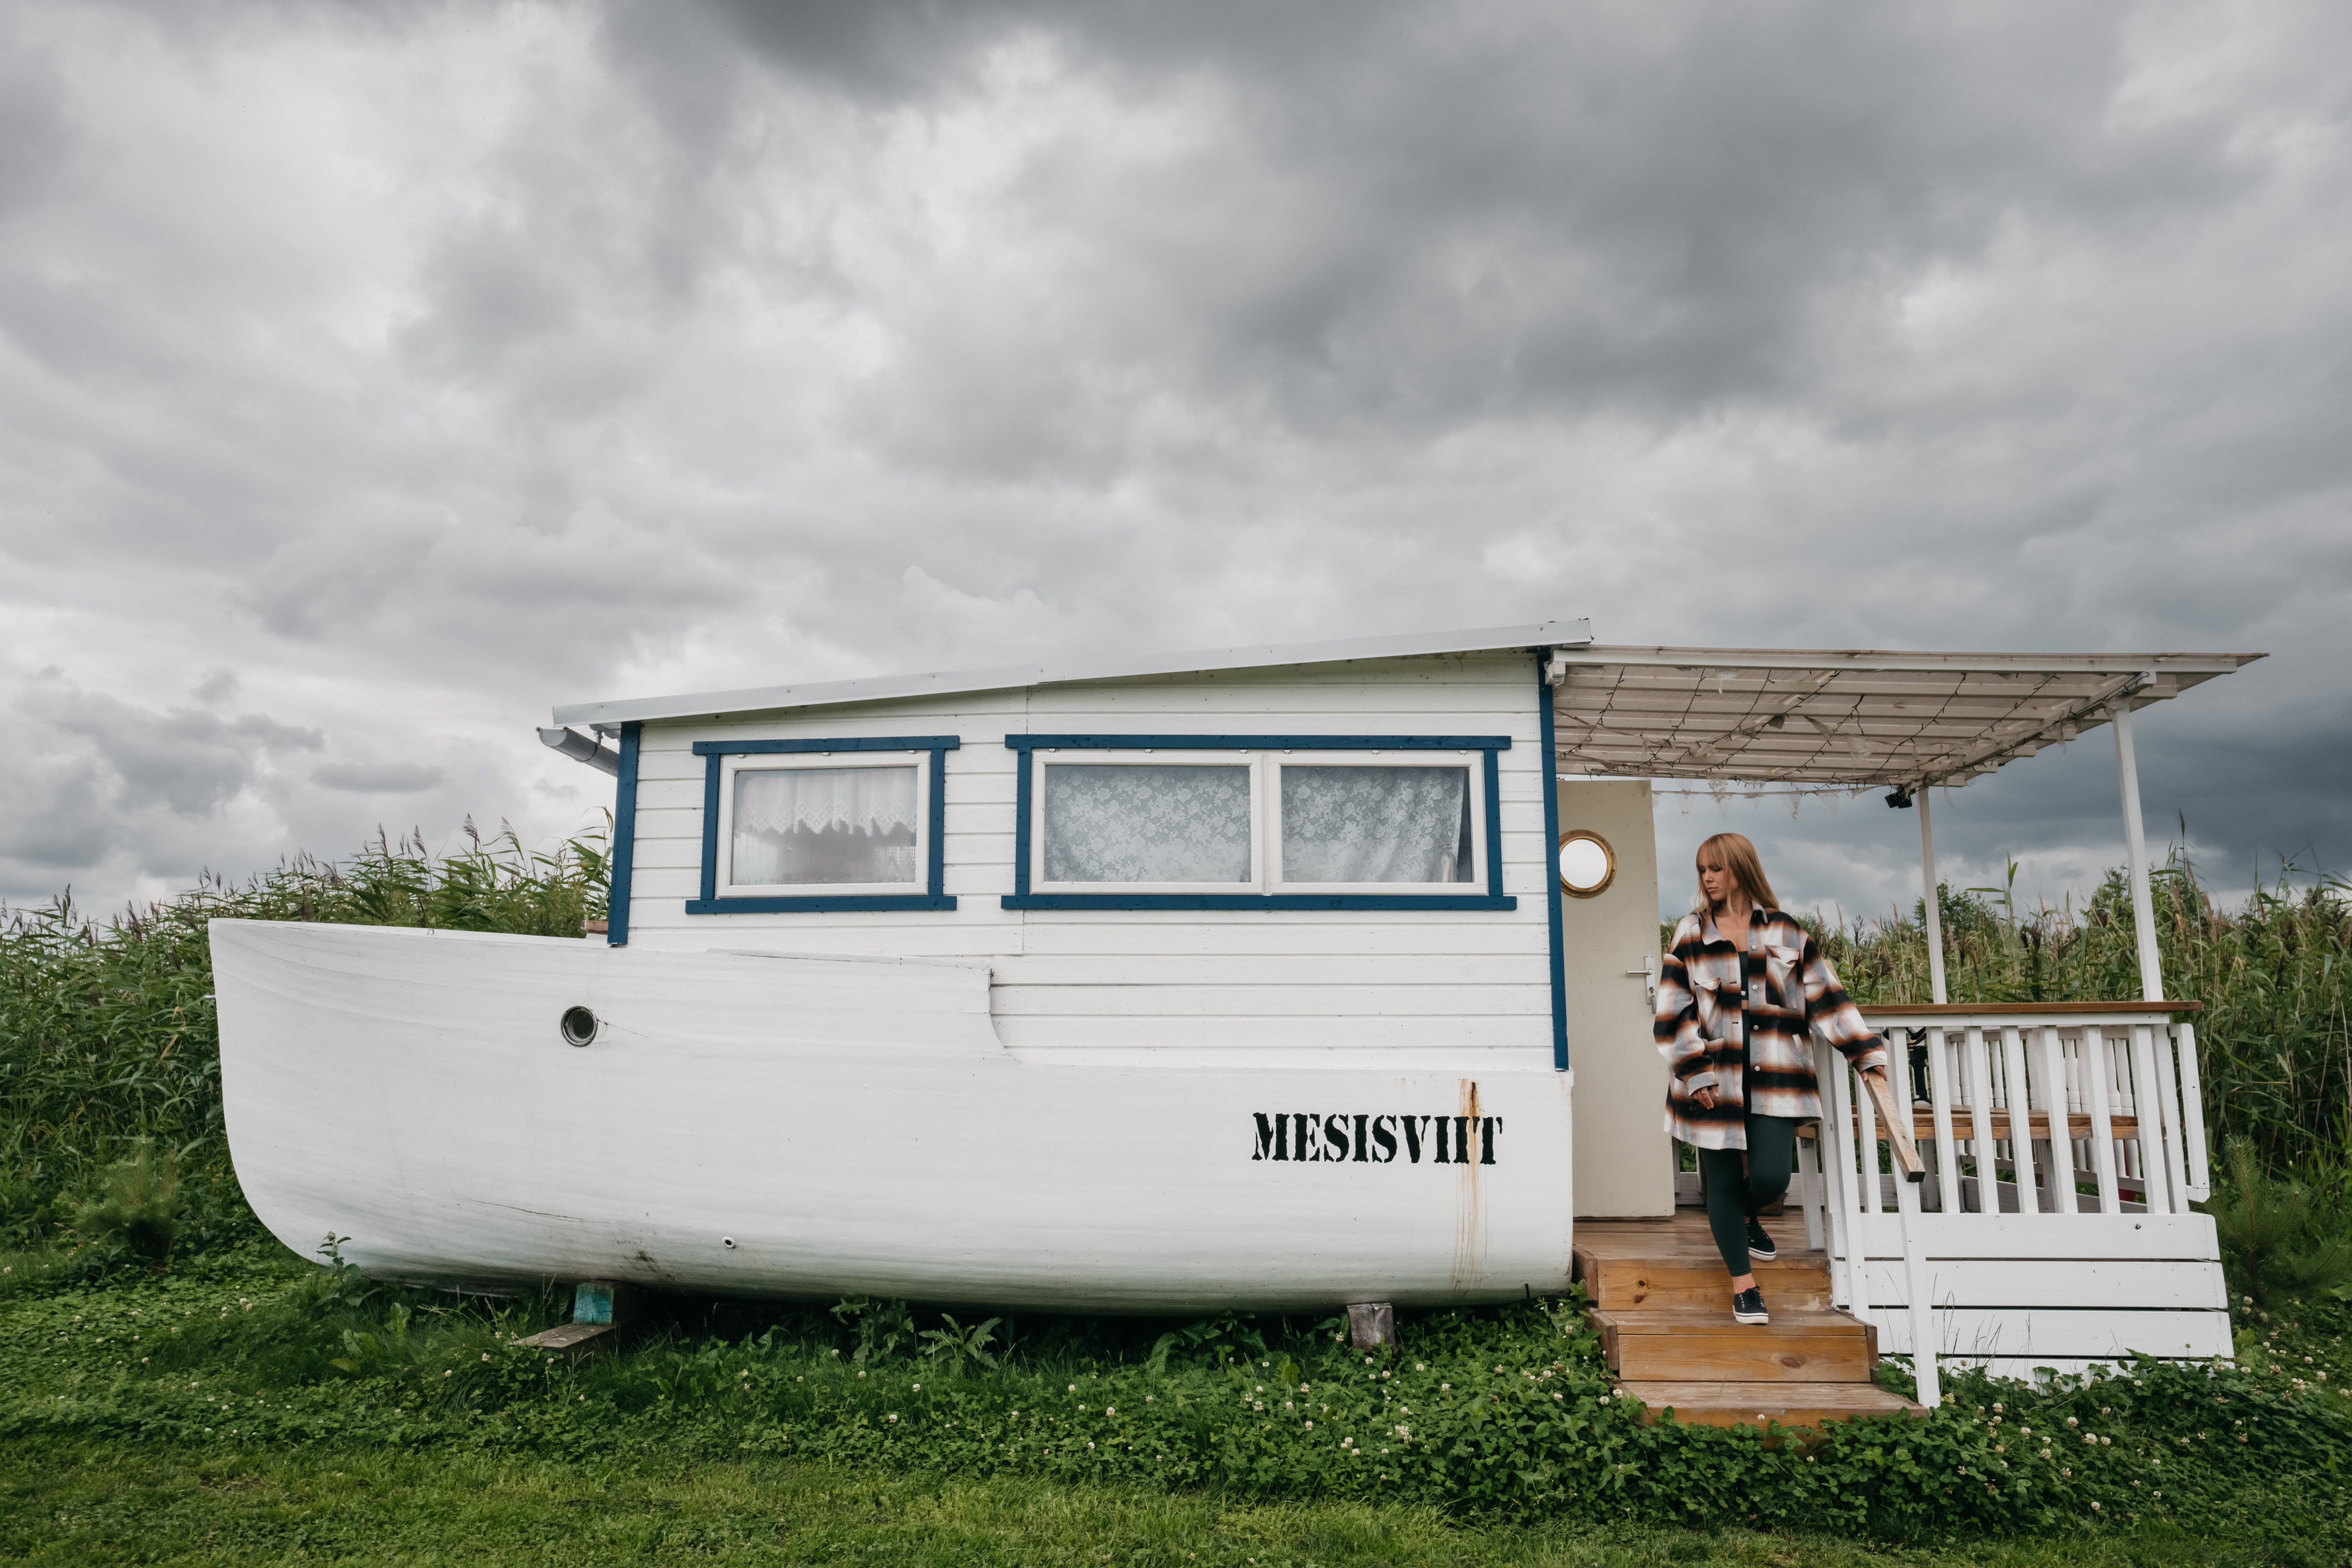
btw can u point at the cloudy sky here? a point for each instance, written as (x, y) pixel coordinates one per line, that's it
(373, 376)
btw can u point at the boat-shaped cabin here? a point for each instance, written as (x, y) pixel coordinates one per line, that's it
(1276, 978)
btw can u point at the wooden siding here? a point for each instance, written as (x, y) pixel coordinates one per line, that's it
(2013, 1291)
(1412, 981)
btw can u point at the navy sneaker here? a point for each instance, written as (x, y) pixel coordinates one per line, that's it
(1748, 1307)
(1760, 1241)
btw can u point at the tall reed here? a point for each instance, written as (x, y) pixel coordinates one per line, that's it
(2274, 975)
(107, 1038)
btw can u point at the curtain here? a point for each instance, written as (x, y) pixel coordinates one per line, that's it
(800, 825)
(1375, 824)
(1120, 822)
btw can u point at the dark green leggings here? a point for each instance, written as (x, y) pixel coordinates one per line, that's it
(1743, 1183)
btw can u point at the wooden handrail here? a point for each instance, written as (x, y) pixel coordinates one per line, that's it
(2020, 1009)
(1896, 1125)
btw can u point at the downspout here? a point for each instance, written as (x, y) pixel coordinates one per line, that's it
(624, 838)
(1546, 681)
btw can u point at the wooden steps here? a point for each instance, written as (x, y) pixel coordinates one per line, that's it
(1662, 1307)
(1682, 1344)
(1737, 1404)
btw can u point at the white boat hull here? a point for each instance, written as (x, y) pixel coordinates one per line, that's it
(816, 1127)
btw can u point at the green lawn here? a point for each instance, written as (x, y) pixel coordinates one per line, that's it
(90, 1503)
(250, 1408)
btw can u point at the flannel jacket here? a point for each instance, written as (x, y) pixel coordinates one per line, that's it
(1781, 991)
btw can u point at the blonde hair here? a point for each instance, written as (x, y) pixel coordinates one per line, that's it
(1738, 858)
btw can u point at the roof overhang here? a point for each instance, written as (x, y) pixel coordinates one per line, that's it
(1855, 718)
(1015, 677)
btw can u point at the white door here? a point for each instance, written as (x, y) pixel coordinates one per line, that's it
(1624, 1161)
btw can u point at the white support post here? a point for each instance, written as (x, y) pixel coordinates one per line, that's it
(2151, 968)
(1935, 912)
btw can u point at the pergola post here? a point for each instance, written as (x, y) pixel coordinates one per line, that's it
(2151, 966)
(1933, 908)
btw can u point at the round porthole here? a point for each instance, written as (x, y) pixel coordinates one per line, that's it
(579, 1026)
(1587, 864)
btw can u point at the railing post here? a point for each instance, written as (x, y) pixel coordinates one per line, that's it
(2192, 1113)
(2020, 1117)
(2103, 1127)
(1980, 1120)
(1845, 1214)
(1939, 1095)
(2159, 1164)
(1814, 1187)
(1865, 1133)
(2060, 1184)
(1916, 1288)
(1903, 1159)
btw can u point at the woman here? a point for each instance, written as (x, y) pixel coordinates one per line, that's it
(1741, 990)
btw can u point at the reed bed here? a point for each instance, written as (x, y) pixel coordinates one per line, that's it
(2274, 975)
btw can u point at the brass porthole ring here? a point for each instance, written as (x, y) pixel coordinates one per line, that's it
(1585, 863)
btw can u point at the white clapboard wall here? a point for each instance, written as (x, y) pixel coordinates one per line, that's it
(2014, 1293)
(1284, 986)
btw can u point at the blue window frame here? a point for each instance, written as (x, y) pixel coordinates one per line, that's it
(1270, 747)
(931, 848)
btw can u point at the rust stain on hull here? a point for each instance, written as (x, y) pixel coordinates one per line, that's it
(1469, 1217)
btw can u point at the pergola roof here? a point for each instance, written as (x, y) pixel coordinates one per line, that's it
(1843, 717)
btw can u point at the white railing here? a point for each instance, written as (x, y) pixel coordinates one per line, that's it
(2045, 1108)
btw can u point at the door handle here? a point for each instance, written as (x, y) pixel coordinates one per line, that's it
(1649, 974)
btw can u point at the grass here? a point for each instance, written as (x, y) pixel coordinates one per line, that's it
(90, 1504)
(175, 1386)
(247, 1404)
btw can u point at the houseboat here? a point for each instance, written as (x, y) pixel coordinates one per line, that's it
(1044, 986)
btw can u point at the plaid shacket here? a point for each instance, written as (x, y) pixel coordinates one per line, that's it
(1790, 992)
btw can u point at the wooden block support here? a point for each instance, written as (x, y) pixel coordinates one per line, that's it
(574, 1337)
(1370, 1323)
(604, 1302)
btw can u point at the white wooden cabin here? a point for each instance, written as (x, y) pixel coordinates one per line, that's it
(1197, 923)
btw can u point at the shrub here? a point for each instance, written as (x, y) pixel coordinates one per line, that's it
(2275, 1241)
(136, 1208)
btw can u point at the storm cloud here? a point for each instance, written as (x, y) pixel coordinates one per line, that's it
(373, 376)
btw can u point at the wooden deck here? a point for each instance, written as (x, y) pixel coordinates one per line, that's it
(1662, 1307)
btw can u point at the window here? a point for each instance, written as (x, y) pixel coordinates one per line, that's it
(792, 824)
(1135, 821)
(822, 824)
(1350, 823)
(1244, 821)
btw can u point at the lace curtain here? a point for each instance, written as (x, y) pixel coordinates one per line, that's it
(1375, 824)
(1146, 823)
(798, 825)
